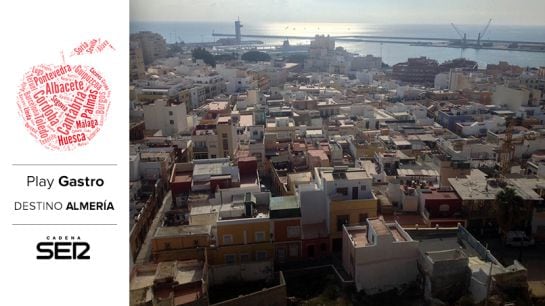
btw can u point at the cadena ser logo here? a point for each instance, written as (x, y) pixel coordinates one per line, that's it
(63, 248)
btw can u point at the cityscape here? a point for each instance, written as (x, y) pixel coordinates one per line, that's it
(282, 168)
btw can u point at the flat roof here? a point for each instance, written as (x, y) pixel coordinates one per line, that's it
(213, 168)
(358, 235)
(401, 142)
(182, 230)
(525, 187)
(300, 177)
(474, 189)
(218, 105)
(285, 202)
(350, 174)
(417, 172)
(382, 228)
(433, 240)
(246, 120)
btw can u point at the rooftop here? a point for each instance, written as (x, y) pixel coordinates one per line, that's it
(358, 234)
(474, 188)
(525, 187)
(211, 167)
(183, 230)
(331, 174)
(431, 194)
(285, 202)
(417, 172)
(146, 277)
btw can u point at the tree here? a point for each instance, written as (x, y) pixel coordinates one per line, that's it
(256, 56)
(175, 48)
(201, 53)
(511, 211)
(297, 58)
(225, 57)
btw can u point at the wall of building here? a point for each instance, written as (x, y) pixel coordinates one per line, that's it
(314, 208)
(390, 264)
(510, 97)
(281, 232)
(243, 232)
(170, 119)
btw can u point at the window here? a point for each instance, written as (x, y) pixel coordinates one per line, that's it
(170, 113)
(343, 191)
(281, 253)
(167, 246)
(323, 247)
(229, 258)
(261, 255)
(212, 155)
(227, 239)
(294, 250)
(293, 231)
(444, 208)
(342, 220)
(172, 122)
(244, 257)
(259, 236)
(363, 187)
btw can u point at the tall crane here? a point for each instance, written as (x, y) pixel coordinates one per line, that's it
(463, 37)
(482, 33)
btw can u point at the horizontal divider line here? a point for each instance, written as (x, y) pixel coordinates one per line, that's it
(64, 165)
(52, 224)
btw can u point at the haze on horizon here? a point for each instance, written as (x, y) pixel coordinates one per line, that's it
(503, 12)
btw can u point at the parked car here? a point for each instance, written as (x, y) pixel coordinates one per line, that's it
(518, 239)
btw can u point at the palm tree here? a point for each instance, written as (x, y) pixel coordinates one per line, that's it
(511, 212)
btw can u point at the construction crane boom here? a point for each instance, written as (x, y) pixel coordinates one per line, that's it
(486, 28)
(463, 37)
(483, 32)
(457, 30)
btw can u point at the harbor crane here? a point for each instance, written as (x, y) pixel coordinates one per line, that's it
(482, 33)
(463, 37)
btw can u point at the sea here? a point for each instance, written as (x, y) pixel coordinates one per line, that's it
(194, 32)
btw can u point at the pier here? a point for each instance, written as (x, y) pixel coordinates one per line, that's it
(505, 45)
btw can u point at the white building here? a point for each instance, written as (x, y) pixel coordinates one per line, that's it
(512, 98)
(379, 256)
(236, 80)
(171, 119)
(494, 124)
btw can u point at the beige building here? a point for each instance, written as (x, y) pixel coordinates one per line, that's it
(136, 61)
(170, 118)
(154, 46)
(214, 138)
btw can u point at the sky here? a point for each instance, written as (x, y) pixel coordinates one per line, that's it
(506, 12)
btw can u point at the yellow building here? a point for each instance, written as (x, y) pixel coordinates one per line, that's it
(349, 212)
(243, 240)
(180, 242)
(350, 197)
